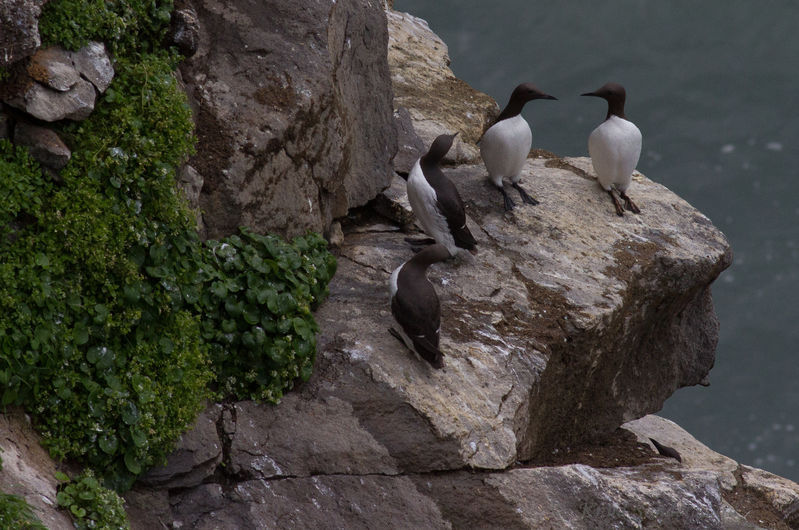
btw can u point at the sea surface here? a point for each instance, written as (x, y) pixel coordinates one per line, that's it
(714, 88)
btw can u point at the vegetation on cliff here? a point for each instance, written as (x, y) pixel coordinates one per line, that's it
(116, 319)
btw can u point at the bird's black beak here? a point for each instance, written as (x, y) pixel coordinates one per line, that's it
(547, 96)
(589, 94)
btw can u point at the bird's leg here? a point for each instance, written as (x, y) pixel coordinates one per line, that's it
(616, 203)
(523, 194)
(508, 202)
(628, 202)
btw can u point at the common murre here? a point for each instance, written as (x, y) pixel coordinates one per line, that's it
(435, 199)
(615, 147)
(415, 305)
(665, 450)
(505, 145)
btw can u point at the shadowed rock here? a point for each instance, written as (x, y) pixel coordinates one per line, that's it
(19, 38)
(44, 145)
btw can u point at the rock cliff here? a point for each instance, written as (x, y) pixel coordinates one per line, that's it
(293, 108)
(561, 336)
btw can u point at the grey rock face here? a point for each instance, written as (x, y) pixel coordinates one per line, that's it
(293, 106)
(19, 38)
(28, 471)
(44, 145)
(410, 146)
(196, 458)
(438, 102)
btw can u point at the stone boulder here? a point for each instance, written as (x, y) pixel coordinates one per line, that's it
(53, 67)
(438, 102)
(44, 145)
(19, 20)
(293, 112)
(59, 84)
(568, 322)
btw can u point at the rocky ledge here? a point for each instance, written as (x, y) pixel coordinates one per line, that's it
(568, 322)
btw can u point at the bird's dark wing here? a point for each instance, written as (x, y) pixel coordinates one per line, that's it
(451, 207)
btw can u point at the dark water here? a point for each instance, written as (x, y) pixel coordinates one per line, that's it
(714, 87)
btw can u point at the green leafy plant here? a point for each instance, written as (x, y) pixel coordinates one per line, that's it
(16, 514)
(90, 504)
(127, 26)
(96, 338)
(256, 305)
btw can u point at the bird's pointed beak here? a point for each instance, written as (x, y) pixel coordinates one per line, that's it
(588, 94)
(549, 97)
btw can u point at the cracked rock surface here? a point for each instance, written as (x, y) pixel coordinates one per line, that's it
(293, 108)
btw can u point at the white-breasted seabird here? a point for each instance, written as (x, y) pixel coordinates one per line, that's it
(435, 199)
(505, 145)
(415, 305)
(615, 147)
(665, 450)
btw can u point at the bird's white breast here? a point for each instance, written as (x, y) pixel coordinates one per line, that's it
(423, 200)
(392, 283)
(615, 147)
(504, 148)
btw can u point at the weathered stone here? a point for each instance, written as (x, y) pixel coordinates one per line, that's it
(694, 454)
(303, 438)
(191, 183)
(44, 144)
(148, 509)
(19, 37)
(28, 471)
(53, 67)
(781, 493)
(317, 502)
(410, 146)
(578, 496)
(293, 105)
(438, 102)
(184, 29)
(198, 508)
(94, 64)
(51, 105)
(335, 234)
(196, 457)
